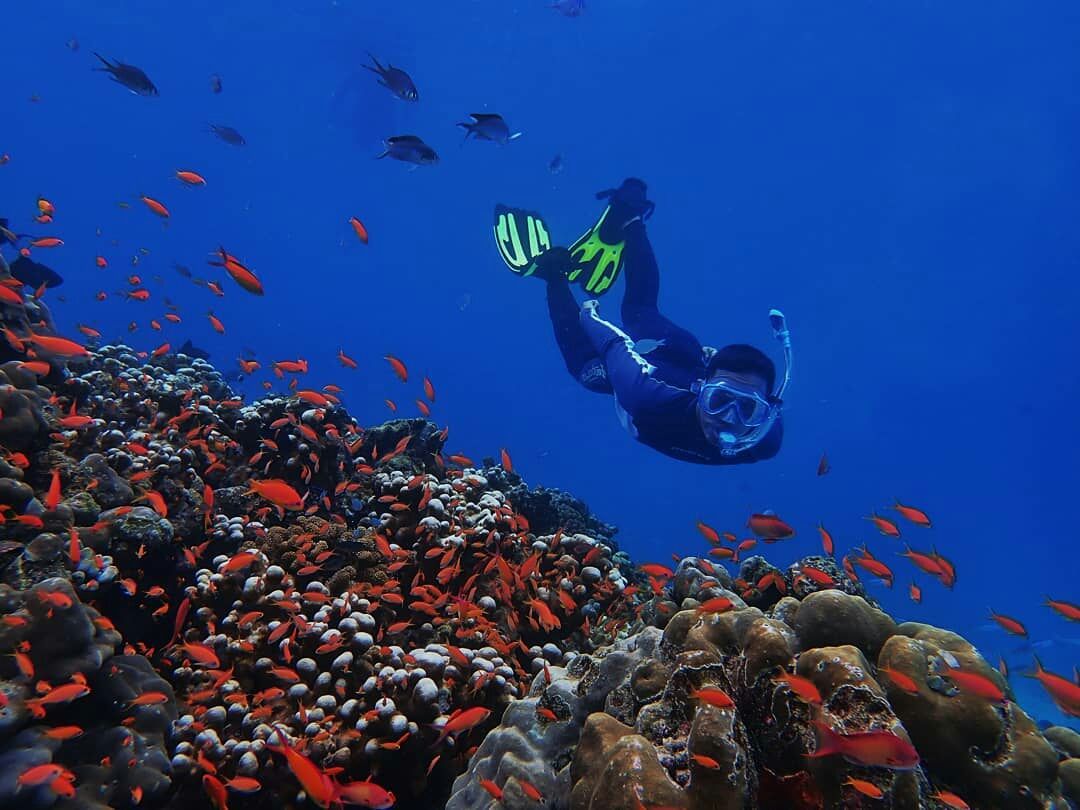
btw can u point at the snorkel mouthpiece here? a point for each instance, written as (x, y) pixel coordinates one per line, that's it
(729, 443)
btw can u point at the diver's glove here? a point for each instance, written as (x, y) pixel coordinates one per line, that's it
(628, 202)
(591, 307)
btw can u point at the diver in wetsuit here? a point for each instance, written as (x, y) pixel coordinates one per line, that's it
(690, 402)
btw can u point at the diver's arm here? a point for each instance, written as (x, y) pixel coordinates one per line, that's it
(629, 374)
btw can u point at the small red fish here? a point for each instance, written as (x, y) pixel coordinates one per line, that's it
(1009, 624)
(803, 688)
(1068, 610)
(155, 206)
(884, 525)
(358, 227)
(875, 749)
(399, 367)
(708, 532)
(910, 513)
(826, 540)
(714, 697)
(769, 527)
(190, 178)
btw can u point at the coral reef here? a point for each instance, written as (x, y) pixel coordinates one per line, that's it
(816, 702)
(375, 625)
(209, 600)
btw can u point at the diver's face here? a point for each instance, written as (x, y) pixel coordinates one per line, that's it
(712, 425)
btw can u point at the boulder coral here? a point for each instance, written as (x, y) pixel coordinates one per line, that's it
(730, 708)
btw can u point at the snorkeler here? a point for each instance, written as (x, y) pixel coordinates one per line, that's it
(691, 402)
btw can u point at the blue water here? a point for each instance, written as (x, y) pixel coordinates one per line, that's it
(901, 181)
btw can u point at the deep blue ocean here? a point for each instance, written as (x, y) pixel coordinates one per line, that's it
(901, 179)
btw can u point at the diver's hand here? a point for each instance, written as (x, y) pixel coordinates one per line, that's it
(590, 307)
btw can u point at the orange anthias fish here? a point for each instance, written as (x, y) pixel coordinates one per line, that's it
(1009, 624)
(278, 492)
(714, 697)
(492, 789)
(718, 604)
(155, 206)
(1066, 609)
(803, 688)
(1062, 691)
(345, 360)
(462, 720)
(358, 227)
(190, 178)
(240, 274)
(708, 532)
(769, 527)
(884, 525)
(61, 347)
(915, 593)
(864, 787)
(826, 540)
(875, 749)
(52, 497)
(923, 561)
(975, 684)
(950, 800)
(399, 368)
(507, 463)
(916, 516)
(901, 680)
(429, 390)
(218, 326)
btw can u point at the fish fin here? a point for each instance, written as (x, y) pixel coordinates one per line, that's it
(378, 68)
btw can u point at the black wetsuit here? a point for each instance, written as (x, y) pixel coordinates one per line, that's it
(652, 394)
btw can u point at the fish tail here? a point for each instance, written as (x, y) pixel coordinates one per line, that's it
(104, 61)
(828, 741)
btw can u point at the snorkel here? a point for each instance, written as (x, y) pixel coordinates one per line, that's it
(728, 443)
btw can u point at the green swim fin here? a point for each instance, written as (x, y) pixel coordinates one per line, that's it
(521, 237)
(598, 262)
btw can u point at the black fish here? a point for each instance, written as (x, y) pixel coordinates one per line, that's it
(228, 134)
(185, 272)
(215, 83)
(193, 351)
(556, 164)
(7, 235)
(395, 80)
(409, 149)
(489, 127)
(569, 8)
(128, 75)
(33, 274)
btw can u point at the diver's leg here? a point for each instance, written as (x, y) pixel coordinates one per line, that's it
(577, 350)
(640, 314)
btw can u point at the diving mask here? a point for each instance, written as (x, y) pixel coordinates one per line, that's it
(740, 417)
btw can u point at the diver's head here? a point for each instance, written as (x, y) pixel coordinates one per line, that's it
(735, 400)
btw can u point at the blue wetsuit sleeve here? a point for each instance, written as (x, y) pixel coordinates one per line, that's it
(663, 416)
(636, 390)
